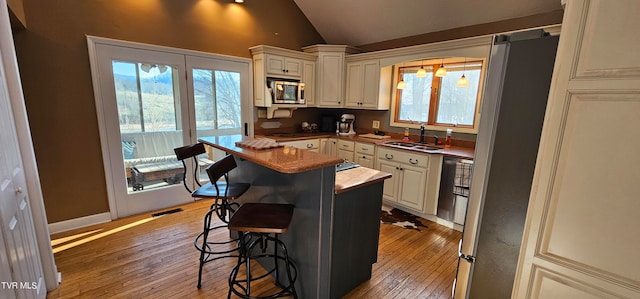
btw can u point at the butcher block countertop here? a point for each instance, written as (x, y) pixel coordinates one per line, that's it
(354, 178)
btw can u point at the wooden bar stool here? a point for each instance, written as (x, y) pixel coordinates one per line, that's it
(255, 222)
(223, 194)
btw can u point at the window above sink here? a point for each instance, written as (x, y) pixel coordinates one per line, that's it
(438, 102)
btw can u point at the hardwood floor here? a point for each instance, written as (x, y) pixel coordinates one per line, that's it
(154, 257)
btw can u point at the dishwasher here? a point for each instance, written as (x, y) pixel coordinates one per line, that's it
(454, 192)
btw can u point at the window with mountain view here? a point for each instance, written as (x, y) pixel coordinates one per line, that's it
(146, 97)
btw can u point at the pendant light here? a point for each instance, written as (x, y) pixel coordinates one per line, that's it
(401, 84)
(463, 82)
(421, 72)
(441, 72)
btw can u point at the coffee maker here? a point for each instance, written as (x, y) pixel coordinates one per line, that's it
(345, 125)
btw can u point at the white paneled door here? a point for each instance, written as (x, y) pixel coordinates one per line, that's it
(20, 267)
(581, 236)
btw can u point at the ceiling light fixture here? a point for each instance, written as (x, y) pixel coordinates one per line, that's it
(401, 84)
(463, 82)
(421, 72)
(239, 1)
(441, 72)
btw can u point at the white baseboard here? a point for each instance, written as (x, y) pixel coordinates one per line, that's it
(66, 225)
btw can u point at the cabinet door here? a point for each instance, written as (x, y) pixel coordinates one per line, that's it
(345, 154)
(412, 187)
(371, 84)
(364, 160)
(293, 67)
(354, 85)
(309, 80)
(330, 77)
(275, 65)
(391, 184)
(284, 66)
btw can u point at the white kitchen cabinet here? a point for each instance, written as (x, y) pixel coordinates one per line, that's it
(364, 89)
(309, 80)
(407, 186)
(308, 144)
(345, 150)
(330, 80)
(277, 62)
(364, 160)
(345, 155)
(330, 69)
(284, 66)
(329, 146)
(415, 178)
(365, 154)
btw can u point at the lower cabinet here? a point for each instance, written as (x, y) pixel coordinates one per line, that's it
(407, 185)
(328, 146)
(364, 154)
(364, 160)
(345, 150)
(415, 179)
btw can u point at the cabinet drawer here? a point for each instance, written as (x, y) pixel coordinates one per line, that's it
(365, 148)
(303, 144)
(346, 145)
(403, 157)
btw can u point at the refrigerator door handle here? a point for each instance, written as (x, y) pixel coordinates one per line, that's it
(469, 258)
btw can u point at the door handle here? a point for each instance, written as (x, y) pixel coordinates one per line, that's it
(469, 258)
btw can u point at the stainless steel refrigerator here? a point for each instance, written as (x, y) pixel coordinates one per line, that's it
(512, 113)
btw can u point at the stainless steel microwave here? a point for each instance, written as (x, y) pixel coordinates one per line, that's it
(287, 92)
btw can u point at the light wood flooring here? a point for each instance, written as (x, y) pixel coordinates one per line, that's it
(154, 257)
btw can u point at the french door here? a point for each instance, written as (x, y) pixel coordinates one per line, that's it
(153, 99)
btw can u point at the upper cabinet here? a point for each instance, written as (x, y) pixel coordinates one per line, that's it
(281, 63)
(309, 79)
(368, 86)
(284, 66)
(330, 77)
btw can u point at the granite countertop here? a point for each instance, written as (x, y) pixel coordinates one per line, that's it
(454, 151)
(284, 159)
(288, 159)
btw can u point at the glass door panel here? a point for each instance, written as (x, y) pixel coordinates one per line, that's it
(217, 88)
(149, 120)
(143, 111)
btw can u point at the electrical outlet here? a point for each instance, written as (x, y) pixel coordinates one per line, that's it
(376, 124)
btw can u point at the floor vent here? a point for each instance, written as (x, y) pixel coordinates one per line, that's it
(167, 212)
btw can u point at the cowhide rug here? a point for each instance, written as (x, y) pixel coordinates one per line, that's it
(400, 218)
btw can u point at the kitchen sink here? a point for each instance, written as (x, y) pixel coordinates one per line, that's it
(412, 146)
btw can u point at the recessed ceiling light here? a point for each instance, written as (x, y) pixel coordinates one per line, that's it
(239, 1)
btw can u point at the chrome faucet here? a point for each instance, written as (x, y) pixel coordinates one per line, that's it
(435, 137)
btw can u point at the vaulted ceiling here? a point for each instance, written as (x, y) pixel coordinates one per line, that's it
(362, 22)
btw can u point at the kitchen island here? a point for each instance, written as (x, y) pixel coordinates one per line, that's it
(333, 236)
